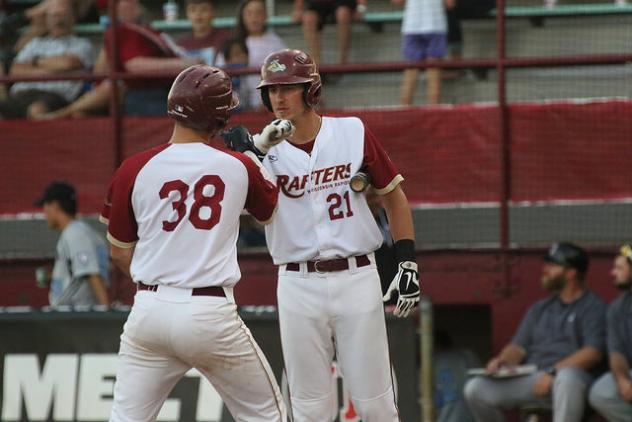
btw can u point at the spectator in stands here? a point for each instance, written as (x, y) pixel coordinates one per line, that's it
(423, 39)
(56, 54)
(36, 16)
(205, 42)
(458, 10)
(611, 395)
(564, 335)
(316, 14)
(260, 41)
(235, 54)
(80, 275)
(141, 50)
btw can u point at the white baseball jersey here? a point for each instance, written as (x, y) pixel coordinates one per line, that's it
(319, 216)
(179, 206)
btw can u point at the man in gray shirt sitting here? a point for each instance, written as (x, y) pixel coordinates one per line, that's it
(611, 395)
(80, 275)
(563, 335)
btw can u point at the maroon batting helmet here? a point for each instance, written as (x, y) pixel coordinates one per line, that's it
(287, 67)
(202, 98)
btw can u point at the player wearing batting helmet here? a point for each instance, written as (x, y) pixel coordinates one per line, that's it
(323, 238)
(173, 218)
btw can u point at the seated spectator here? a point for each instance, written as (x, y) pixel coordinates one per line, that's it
(81, 272)
(205, 42)
(316, 14)
(260, 40)
(235, 54)
(424, 38)
(611, 395)
(56, 54)
(34, 18)
(563, 335)
(141, 50)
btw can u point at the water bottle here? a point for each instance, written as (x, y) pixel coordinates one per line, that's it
(170, 10)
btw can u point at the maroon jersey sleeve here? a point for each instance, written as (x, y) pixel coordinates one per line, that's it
(384, 175)
(263, 194)
(117, 211)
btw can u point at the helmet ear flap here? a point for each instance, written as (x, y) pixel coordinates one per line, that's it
(265, 98)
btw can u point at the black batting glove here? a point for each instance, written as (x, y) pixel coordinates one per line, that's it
(237, 138)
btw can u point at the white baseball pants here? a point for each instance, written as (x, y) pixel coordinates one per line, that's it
(169, 332)
(337, 312)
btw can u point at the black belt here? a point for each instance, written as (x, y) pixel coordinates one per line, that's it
(198, 291)
(330, 265)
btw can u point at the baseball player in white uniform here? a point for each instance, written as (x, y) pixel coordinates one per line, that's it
(322, 238)
(173, 219)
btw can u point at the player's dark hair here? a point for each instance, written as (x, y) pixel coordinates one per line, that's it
(69, 206)
(240, 29)
(233, 41)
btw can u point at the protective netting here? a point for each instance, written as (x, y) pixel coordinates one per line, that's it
(569, 130)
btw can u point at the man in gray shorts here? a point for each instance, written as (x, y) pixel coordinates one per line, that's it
(611, 395)
(563, 335)
(80, 274)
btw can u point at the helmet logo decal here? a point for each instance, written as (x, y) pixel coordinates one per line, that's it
(275, 66)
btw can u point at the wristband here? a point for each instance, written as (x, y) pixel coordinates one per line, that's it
(405, 250)
(551, 370)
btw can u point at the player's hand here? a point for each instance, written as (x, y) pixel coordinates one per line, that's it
(406, 284)
(273, 134)
(237, 138)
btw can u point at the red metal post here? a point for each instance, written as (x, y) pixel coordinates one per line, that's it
(505, 147)
(115, 108)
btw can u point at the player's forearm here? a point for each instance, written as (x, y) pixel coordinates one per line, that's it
(619, 366)
(122, 258)
(585, 358)
(99, 289)
(400, 217)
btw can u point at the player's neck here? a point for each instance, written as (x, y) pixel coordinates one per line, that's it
(185, 135)
(307, 127)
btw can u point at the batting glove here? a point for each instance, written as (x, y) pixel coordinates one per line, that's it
(273, 134)
(406, 284)
(239, 139)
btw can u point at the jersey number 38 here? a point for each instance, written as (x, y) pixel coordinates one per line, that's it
(200, 200)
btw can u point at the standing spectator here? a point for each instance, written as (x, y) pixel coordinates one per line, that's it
(423, 39)
(457, 11)
(611, 395)
(205, 42)
(260, 40)
(56, 54)
(564, 335)
(80, 275)
(316, 14)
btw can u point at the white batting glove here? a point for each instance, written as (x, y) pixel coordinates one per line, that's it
(273, 134)
(406, 284)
